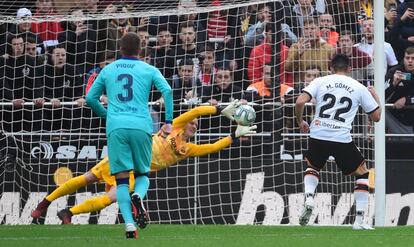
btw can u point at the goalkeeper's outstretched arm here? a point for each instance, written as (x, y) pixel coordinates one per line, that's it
(200, 111)
(204, 149)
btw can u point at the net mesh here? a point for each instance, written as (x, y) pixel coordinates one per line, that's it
(210, 52)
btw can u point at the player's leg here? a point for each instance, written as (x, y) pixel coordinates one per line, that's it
(361, 194)
(142, 146)
(93, 204)
(316, 157)
(351, 162)
(138, 208)
(121, 163)
(124, 202)
(68, 187)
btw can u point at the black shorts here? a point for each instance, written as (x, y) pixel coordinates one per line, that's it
(347, 156)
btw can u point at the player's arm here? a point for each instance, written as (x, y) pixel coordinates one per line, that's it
(374, 115)
(196, 112)
(200, 111)
(162, 85)
(95, 92)
(299, 108)
(204, 149)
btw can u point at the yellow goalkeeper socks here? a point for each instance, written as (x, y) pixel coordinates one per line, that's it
(69, 187)
(92, 205)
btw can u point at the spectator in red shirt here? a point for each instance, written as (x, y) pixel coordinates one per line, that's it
(262, 54)
(48, 31)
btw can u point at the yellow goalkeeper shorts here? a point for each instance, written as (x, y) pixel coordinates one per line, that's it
(102, 172)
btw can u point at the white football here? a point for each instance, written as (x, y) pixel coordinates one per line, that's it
(245, 115)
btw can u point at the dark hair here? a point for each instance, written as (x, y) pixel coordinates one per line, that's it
(186, 24)
(340, 62)
(223, 66)
(142, 29)
(409, 50)
(269, 27)
(163, 28)
(30, 39)
(10, 38)
(201, 57)
(130, 44)
(51, 49)
(14, 36)
(185, 61)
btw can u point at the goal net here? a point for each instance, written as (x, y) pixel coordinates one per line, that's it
(211, 52)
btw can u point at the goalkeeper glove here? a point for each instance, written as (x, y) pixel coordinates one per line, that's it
(244, 130)
(229, 110)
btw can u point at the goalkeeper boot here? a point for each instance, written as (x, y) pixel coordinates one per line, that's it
(139, 211)
(40, 209)
(65, 216)
(307, 210)
(359, 223)
(130, 231)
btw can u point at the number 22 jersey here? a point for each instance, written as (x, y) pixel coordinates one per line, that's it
(338, 98)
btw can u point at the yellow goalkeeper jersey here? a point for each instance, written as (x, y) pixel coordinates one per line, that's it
(172, 149)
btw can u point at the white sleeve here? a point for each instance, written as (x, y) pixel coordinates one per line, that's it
(312, 89)
(368, 102)
(391, 58)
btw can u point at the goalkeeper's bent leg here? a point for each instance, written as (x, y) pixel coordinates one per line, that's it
(92, 205)
(69, 187)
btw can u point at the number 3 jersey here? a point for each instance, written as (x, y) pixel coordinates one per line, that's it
(338, 98)
(128, 83)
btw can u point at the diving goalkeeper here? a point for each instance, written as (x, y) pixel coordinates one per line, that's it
(166, 151)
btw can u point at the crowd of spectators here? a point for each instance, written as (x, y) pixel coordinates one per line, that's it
(259, 53)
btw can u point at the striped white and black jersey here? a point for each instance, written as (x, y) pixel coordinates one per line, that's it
(338, 98)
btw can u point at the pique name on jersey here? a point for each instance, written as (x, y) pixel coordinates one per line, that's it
(125, 65)
(340, 85)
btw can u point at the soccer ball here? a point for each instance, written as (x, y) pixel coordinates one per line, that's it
(245, 115)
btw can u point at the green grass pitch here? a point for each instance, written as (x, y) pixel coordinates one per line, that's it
(203, 235)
